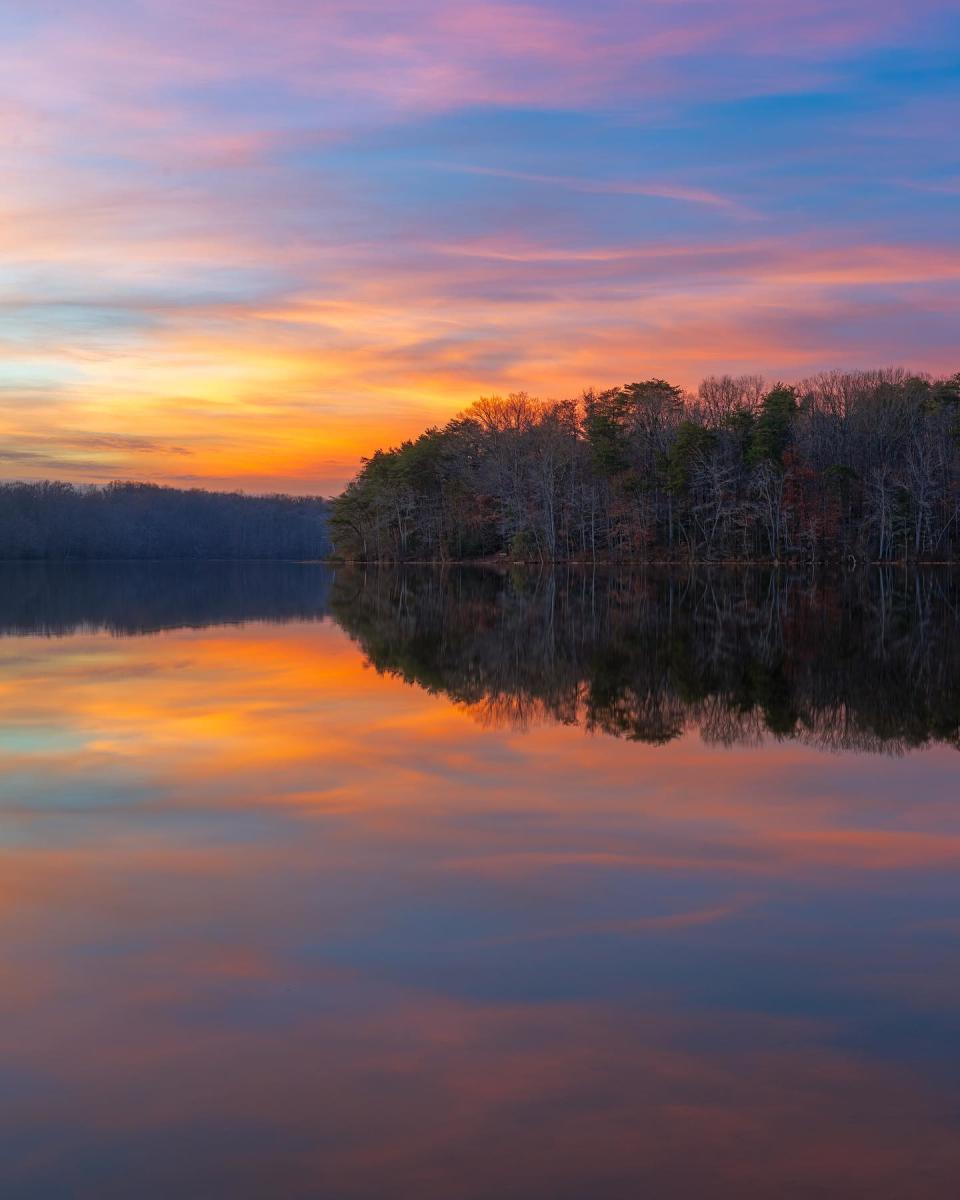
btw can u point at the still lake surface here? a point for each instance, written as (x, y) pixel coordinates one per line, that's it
(365, 885)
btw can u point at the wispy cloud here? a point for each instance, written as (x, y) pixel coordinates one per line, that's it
(614, 187)
(623, 927)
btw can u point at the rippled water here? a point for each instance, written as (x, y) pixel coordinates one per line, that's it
(470, 885)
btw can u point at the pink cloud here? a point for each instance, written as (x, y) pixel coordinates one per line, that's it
(613, 187)
(176, 250)
(425, 56)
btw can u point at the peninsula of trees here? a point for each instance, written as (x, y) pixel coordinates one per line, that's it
(137, 520)
(862, 465)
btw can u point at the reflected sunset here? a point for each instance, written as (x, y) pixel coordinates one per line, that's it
(252, 883)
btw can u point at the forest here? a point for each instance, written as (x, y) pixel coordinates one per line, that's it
(844, 466)
(62, 521)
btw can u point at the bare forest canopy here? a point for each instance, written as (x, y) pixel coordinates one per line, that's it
(139, 520)
(864, 660)
(841, 466)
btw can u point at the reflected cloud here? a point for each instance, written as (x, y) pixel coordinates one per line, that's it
(274, 919)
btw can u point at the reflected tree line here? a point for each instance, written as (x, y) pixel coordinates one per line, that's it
(866, 660)
(862, 465)
(870, 661)
(129, 598)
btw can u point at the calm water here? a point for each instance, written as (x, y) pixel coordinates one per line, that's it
(474, 886)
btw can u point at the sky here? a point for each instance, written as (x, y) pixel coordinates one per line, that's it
(245, 242)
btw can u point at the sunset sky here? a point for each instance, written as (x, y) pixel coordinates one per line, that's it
(246, 241)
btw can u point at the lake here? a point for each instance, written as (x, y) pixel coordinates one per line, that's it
(359, 884)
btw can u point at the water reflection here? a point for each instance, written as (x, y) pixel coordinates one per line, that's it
(868, 661)
(865, 661)
(272, 923)
(143, 597)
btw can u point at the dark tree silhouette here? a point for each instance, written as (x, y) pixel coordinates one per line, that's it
(863, 465)
(137, 520)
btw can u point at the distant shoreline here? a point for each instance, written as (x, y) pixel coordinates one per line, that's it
(491, 563)
(56, 521)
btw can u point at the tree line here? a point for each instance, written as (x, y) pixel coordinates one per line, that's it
(862, 465)
(53, 520)
(862, 660)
